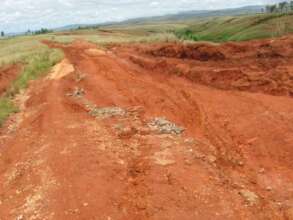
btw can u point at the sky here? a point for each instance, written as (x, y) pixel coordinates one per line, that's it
(21, 15)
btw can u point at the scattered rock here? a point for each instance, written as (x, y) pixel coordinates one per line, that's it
(198, 155)
(107, 112)
(77, 92)
(127, 132)
(143, 131)
(164, 126)
(189, 141)
(250, 197)
(261, 171)
(80, 76)
(269, 188)
(211, 159)
(20, 217)
(240, 163)
(163, 158)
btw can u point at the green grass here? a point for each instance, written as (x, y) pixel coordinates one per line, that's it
(239, 28)
(125, 36)
(37, 60)
(18, 49)
(36, 66)
(6, 109)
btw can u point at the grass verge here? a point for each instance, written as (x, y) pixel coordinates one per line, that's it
(6, 109)
(238, 28)
(36, 65)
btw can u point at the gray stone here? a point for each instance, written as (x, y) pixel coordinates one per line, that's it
(107, 112)
(164, 126)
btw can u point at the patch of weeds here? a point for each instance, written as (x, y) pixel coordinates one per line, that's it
(186, 34)
(36, 65)
(6, 109)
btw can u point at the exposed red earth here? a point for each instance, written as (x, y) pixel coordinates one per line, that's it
(155, 132)
(7, 75)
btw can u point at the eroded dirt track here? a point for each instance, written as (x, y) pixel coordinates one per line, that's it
(7, 75)
(102, 138)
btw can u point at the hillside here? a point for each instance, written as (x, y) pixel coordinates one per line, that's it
(195, 14)
(180, 16)
(216, 29)
(238, 28)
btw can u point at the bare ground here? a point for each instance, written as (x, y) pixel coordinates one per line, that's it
(131, 132)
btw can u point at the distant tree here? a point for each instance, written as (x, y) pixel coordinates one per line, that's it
(268, 8)
(28, 32)
(283, 6)
(2, 34)
(42, 31)
(271, 8)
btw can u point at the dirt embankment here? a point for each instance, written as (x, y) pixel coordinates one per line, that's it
(202, 52)
(7, 75)
(115, 134)
(257, 66)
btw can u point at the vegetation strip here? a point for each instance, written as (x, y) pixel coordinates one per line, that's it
(36, 65)
(238, 28)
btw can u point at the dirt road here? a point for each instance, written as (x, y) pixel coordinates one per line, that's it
(117, 134)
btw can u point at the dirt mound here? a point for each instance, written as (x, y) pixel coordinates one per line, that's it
(268, 51)
(7, 75)
(256, 66)
(202, 52)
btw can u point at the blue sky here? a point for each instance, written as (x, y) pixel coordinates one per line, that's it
(21, 15)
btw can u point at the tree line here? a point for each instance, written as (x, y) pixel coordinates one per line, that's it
(29, 32)
(37, 32)
(282, 7)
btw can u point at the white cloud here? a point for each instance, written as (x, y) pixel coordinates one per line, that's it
(20, 15)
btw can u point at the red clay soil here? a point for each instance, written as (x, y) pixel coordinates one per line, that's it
(256, 66)
(100, 138)
(7, 75)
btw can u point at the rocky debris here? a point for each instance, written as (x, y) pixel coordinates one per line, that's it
(211, 159)
(80, 76)
(99, 112)
(269, 188)
(20, 217)
(261, 170)
(250, 197)
(107, 112)
(164, 126)
(126, 132)
(77, 92)
(163, 158)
